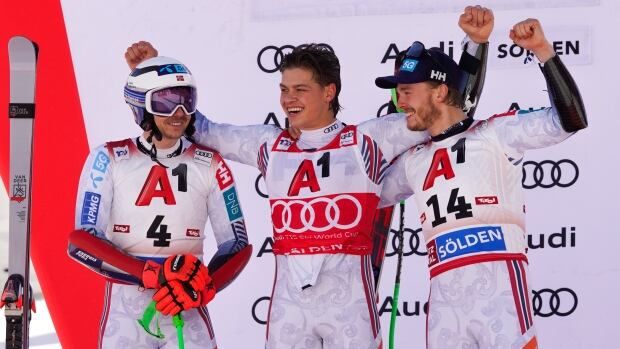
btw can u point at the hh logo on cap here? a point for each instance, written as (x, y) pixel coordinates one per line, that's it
(409, 65)
(437, 75)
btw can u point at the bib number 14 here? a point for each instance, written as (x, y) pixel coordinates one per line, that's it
(456, 204)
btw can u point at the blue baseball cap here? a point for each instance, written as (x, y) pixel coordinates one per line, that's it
(420, 65)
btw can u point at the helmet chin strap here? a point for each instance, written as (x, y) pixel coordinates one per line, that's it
(155, 132)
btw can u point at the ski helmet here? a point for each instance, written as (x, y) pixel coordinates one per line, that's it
(152, 75)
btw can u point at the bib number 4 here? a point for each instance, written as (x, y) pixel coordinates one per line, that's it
(159, 232)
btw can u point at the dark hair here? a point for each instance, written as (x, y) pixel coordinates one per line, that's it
(454, 97)
(321, 60)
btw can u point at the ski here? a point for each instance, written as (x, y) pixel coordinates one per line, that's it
(17, 294)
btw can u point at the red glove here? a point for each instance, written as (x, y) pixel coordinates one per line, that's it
(175, 296)
(184, 267)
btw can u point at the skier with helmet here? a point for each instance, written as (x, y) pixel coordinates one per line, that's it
(141, 211)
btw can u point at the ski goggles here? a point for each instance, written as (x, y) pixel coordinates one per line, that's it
(166, 101)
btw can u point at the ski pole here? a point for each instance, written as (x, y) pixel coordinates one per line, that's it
(399, 251)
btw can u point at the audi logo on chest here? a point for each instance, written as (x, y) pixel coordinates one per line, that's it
(317, 215)
(547, 302)
(548, 173)
(270, 57)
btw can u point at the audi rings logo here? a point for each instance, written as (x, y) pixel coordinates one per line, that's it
(260, 309)
(328, 210)
(257, 186)
(383, 110)
(270, 57)
(547, 302)
(548, 173)
(412, 244)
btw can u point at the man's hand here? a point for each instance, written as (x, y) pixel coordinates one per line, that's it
(477, 22)
(175, 296)
(184, 267)
(529, 35)
(139, 52)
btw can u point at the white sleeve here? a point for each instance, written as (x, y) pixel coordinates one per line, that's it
(224, 207)
(95, 193)
(522, 130)
(391, 134)
(236, 143)
(396, 187)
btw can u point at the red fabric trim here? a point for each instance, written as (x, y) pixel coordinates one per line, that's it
(487, 257)
(516, 295)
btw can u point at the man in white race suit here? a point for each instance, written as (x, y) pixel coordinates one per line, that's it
(467, 184)
(141, 211)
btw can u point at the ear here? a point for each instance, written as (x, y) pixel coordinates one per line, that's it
(330, 92)
(441, 93)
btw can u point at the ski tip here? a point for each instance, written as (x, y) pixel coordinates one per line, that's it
(21, 42)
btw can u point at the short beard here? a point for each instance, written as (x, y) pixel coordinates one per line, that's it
(426, 116)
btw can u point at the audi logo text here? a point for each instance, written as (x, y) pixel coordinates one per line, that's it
(547, 302)
(548, 173)
(270, 57)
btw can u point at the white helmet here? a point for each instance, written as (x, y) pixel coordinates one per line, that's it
(153, 75)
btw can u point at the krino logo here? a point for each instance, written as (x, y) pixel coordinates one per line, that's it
(564, 238)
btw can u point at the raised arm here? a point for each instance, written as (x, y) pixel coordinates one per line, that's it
(523, 130)
(477, 22)
(236, 143)
(563, 91)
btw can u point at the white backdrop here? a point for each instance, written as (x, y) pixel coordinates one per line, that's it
(220, 42)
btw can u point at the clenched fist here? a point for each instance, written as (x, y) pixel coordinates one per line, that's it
(477, 22)
(529, 35)
(139, 52)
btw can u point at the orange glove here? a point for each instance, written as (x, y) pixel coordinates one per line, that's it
(184, 267)
(175, 296)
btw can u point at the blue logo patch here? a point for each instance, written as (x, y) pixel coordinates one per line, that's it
(232, 204)
(95, 179)
(526, 111)
(90, 208)
(479, 239)
(172, 69)
(101, 162)
(409, 64)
